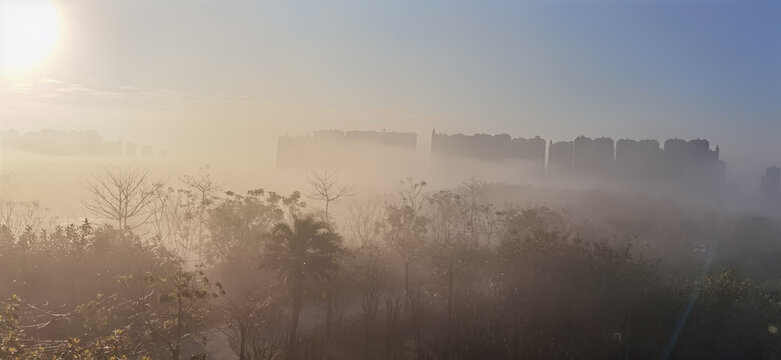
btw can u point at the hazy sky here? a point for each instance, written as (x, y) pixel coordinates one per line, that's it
(237, 74)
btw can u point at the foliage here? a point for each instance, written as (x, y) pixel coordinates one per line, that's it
(476, 280)
(301, 253)
(239, 222)
(182, 296)
(12, 338)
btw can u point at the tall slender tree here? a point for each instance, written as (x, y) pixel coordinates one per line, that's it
(447, 211)
(405, 225)
(325, 187)
(205, 188)
(301, 252)
(474, 192)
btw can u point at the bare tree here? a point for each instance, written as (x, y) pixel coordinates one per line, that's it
(364, 223)
(206, 189)
(446, 213)
(17, 216)
(490, 222)
(173, 215)
(405, 224)
(325, 187)
(370, 276)
(474, 191)
(158, 214)
(122, 196)
(247, 316)
(33, 215)
(178, 216)
(7, 218)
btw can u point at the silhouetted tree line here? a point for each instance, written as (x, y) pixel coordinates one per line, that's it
(418, 274)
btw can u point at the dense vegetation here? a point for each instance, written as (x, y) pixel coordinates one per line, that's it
(419, 274)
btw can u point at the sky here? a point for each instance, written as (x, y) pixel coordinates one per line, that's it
(234, 75)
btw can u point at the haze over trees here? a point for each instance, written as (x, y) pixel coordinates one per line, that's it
(390, 180)
(183, 270)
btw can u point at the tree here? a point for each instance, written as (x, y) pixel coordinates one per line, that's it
(447, 212)
(474, 192)
(12, 344)
(205, 188)
(405, 224)
(122, 196)
(7, 218)
(301, 252)
(364, 223)
(238, 222)
(325, 187)
(490, 222)
(182, 299)
(17, 216)
(246, 315)
(174, 218)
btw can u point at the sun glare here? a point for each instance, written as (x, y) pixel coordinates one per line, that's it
(29, 30)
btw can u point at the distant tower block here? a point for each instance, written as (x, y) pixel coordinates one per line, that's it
(771, 182)
(692, 165)
(593, 157)
(130, 149)
(335, 149)
(113, 148)
(487, 154)
(638, 161)
(560, 156)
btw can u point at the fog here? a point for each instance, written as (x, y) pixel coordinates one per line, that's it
(390, 180)
(416, 245)
(32, 159)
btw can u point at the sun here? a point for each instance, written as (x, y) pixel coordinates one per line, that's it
(29, 30)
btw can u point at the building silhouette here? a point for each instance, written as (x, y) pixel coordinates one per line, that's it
(638, 161)
(684, 167)
(488, 147)
(130, 149)
(593, 157)
(771, 182)
(560, 157)
(335, 149)
(60, 143)
(477, 154)
(691, 165)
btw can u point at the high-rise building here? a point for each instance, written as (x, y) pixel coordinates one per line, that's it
(560, 155)
(593, 156)
(130, 149)
(771, 181)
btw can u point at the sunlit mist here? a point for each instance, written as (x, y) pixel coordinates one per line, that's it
(390, 180)
(29, 33)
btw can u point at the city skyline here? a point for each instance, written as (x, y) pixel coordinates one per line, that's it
(560, 70)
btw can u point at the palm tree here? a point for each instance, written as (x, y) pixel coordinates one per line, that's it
(301, 252)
